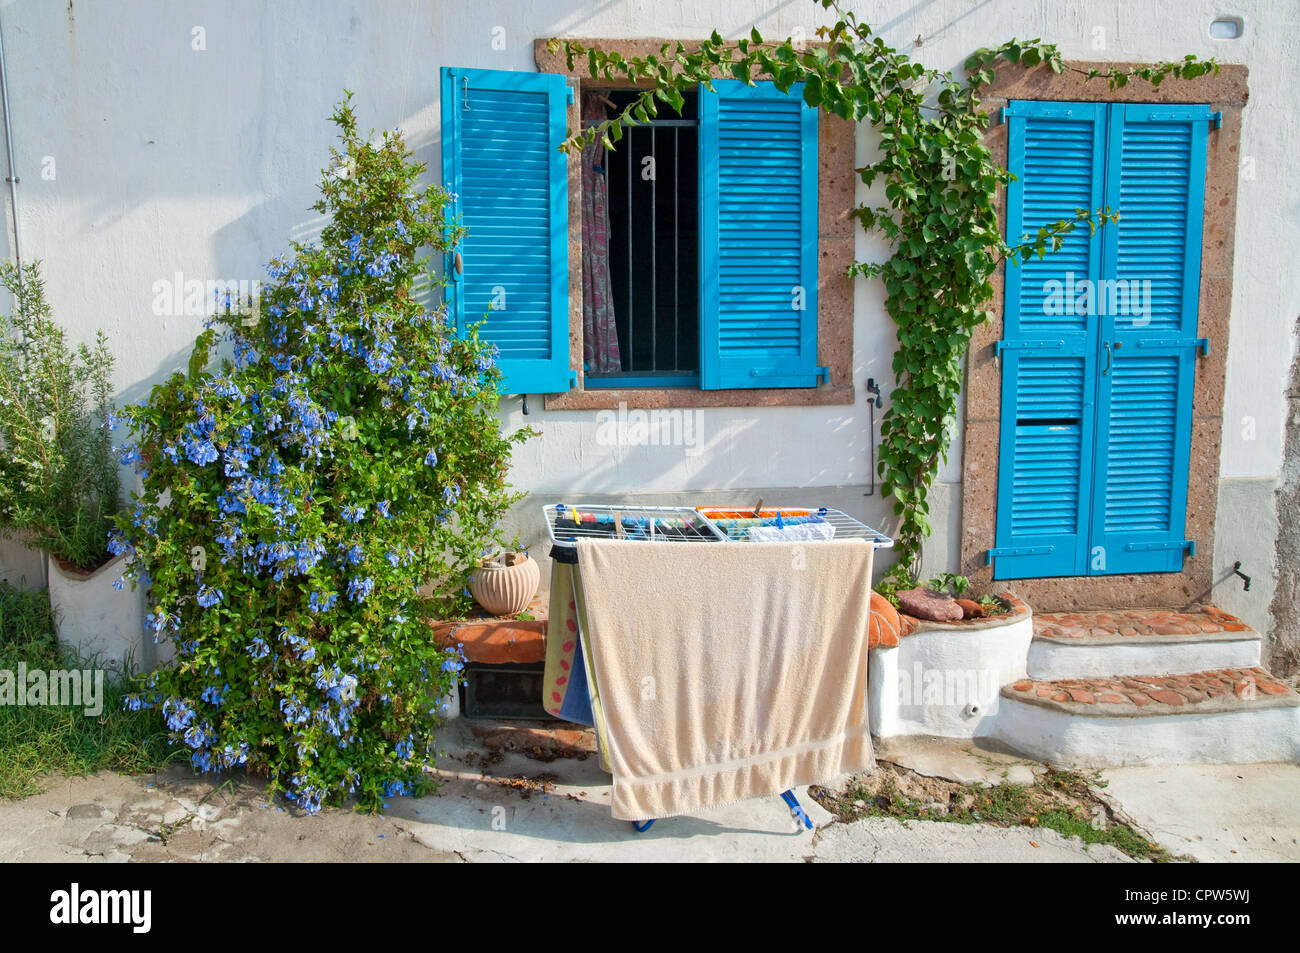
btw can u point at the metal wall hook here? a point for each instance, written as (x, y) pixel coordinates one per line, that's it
(874, 400)
(1236, 571)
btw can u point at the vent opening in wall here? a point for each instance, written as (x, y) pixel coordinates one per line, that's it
(1226, 28)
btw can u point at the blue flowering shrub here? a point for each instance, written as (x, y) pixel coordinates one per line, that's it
(347, 453)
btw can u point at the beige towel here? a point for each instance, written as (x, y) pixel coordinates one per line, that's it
(726, 671)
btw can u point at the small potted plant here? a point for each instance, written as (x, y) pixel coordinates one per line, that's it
(58, 477)
(505, 583)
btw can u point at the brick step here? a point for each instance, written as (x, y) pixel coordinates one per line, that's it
(1217, 716)
(1228, 689)
(1139, 642)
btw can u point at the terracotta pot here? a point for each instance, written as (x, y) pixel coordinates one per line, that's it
(505, 590)
(99, 621)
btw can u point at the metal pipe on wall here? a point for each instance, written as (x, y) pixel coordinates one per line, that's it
(12, 178)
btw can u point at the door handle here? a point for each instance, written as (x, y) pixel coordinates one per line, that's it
(1106, 370)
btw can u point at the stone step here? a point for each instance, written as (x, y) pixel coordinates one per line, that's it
(1227, 715)
(1139, 642)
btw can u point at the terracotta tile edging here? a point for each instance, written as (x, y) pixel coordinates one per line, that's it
(1135, 696)
(1228, 93)
(1017, 611)
(835, 311)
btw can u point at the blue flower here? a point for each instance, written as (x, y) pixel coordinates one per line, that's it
(359, 588)
(322, 603)
(208, 597)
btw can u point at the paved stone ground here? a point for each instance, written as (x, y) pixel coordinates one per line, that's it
(494, 805)
(1240, 687)
(1220, 813)
(498, 803)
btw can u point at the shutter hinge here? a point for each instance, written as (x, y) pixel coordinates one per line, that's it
(1188, 544)
(1217, 119)
(825, 374)
(569, 94)
(1002, 116)
(1201, 344)
(1000, 346)
(573, 379)
(1016, 551)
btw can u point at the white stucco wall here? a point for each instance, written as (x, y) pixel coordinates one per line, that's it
(169, 159)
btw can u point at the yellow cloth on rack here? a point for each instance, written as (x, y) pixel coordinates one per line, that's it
(726, 672)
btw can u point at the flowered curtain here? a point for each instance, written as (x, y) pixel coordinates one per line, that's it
(600, 351)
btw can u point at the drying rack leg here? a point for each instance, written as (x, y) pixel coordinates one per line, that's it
(796, 810)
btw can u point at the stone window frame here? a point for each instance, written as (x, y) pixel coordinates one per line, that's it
(835, 191)
(1225, 93)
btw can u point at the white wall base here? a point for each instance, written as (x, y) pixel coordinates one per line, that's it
(20, 565)
(946, 681)
(1267, 734)
(1049, 661)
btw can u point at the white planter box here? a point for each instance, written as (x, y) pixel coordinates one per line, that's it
(945, 679)
(96, 620)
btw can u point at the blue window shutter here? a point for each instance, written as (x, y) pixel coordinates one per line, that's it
(1049, 349)
(500, 136)
(758, 237)
(1156, 181)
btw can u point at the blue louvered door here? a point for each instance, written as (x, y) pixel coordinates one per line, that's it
(500, 136)
(1049, 349)
(758, 237)
(1148, 317)
(1100, 340)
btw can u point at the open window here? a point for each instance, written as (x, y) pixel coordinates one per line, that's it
(707, 275)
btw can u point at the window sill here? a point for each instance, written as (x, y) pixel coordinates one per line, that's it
(649, 398)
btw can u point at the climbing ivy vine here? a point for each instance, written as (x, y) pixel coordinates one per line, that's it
(939, 181)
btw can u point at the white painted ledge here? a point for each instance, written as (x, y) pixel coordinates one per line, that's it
(1050, 660)
(1096, 741)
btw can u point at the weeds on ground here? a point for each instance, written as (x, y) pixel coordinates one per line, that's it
(1063, 801)
(39, 741)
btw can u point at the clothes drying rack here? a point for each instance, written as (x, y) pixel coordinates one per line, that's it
(565, 523)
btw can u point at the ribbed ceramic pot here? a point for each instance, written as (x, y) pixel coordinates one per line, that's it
(506, 590)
